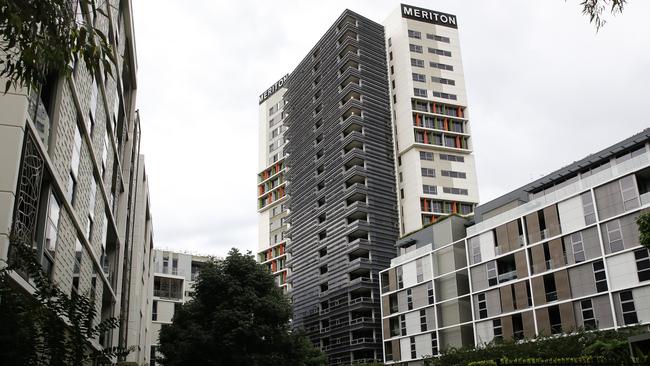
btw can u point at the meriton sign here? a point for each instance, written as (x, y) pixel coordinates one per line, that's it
(275, 87)
(430, 16)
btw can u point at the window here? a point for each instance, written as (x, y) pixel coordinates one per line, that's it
(642, 264)
(415, 48)
(599, 276)
(402, 324)
(475, 246)
(578, 247)
(419, 77)
(390, 56)
(425, 155)
(588, 208)
(89, 227)
(444, 95)
(400, 277)
(419, 92)
(392, 70)
(430, 293)
(428, 189)
(77, 266)
(438, 80)
(413, 353)
(417, 62)
(72, 188)
(154, 311)
(427, 172)
(492, 273)
(434, 343)
(628, 309)
(455, 158)
(439, 52)
(409, 299)
(401, 193)
(419, 269)
(588, 318)
(482, 306)
(629, 193)
(51, 230)
(105, 154)
(438, 38)
(452, 190)
(441, 66)
(498, 330)
(423, 320)
(453, 174)
(415, 34)
(614, 236)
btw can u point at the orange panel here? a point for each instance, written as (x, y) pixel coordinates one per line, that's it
(417, 120)
(453, 207)
(426, 205)
(426, 138)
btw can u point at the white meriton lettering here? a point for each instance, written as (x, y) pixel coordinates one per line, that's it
(416, 12)
(452, 20)
(444, 19)
(408, 11)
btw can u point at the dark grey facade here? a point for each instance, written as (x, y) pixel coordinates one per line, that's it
(343, 210)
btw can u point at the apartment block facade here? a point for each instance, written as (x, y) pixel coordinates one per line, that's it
(174, 275)
(342, 207)
(272, 200)
(558, 254)
(435, 170)
(74, 184)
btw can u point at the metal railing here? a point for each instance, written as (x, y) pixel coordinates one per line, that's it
(508, 276)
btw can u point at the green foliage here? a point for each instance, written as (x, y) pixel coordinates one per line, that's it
(48, 327)
(643, 221)
(609, 344)
(594, 10)
(42, 37)
(237, 317)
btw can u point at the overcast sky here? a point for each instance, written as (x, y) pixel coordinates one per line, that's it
(544, 90)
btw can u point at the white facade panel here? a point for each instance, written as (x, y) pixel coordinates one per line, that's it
(622, 271)
(572, 215)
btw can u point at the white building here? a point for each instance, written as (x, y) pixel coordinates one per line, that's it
(173, 282)
(271, 185)
(435, 168)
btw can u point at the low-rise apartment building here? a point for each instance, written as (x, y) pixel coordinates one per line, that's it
(174, 275)
(558, 254)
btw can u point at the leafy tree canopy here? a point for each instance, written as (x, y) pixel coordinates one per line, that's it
(644, 229)
(41, 37)
(237, 317)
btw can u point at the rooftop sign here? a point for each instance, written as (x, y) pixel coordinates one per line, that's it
(275, 87)
(429, 16)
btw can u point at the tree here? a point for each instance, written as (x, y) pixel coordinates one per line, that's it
(237, 317)
(48, 327)
(643, 221)
(42, 37)
(594, 10)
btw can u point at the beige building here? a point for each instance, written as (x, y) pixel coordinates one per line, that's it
(435, 170)
(555, 255)
(173, 280)
(73, 183)
(271, 185)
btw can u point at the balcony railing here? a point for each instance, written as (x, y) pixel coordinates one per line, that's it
(168, 294)
(508, 276)
(551, 296)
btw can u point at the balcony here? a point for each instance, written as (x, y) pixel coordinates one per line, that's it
(353, 124)
(351, 63)
(352, 79)
(354, 162)
(508, 276)
(348, 34)
(349, 48)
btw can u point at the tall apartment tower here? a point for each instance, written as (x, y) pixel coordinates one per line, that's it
(271, 184)
(436, 175)
(73, 183)
(343, 209)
